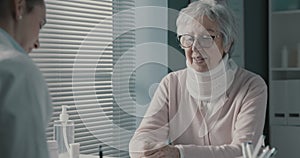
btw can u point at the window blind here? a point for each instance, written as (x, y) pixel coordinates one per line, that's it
(87, 57)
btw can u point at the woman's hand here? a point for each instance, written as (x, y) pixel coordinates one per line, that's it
(167, 151)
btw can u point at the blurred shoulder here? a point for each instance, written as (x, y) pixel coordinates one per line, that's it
(16, 64)
(248, 78)
(175, 76)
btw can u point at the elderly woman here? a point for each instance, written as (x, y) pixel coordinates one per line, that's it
(210, 108)
(25, 106)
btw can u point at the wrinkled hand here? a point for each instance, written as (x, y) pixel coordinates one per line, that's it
(166, 151)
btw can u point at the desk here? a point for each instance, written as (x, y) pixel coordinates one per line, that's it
(92, 156)
(84, 156)
(88, 156)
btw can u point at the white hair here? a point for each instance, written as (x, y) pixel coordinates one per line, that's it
(215, 11)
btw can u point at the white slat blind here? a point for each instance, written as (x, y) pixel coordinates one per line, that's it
(87, 58)
(123, 76)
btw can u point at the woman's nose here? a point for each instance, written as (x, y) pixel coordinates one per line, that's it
(196, 47)
(37, 44)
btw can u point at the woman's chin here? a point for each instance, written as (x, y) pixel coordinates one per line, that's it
(200, 67)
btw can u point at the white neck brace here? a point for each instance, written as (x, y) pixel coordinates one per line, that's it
(210, 85)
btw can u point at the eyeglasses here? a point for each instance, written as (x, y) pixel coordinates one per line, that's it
(205, 41)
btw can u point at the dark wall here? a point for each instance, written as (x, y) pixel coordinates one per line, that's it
(174, 62)
(256, 37)
(256, 42)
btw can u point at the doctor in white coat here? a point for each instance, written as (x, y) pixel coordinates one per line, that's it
(25, 106)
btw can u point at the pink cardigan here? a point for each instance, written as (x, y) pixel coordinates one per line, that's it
(177, 117)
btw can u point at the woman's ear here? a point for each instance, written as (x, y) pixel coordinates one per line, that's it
(18, 8)
(227, 48)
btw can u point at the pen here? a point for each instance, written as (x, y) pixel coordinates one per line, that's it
(270, 152)
(274, 153)
(265, 151)
(244, 151)
(258, 146)
(249, 149)
(100, 152)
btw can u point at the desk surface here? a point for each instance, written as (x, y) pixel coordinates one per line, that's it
(92, 156)
(85, 156)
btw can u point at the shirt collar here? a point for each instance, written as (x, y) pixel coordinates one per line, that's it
(9, 41)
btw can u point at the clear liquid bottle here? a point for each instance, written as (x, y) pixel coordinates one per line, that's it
(64, 133)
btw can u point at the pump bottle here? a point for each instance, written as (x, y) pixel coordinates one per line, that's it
(64, 133)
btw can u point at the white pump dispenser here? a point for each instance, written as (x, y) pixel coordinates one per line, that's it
(64, 133)
(64, 116)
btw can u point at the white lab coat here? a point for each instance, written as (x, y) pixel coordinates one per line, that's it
(25, 106)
